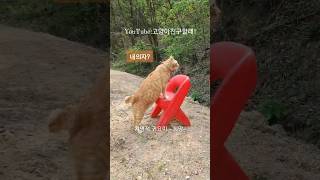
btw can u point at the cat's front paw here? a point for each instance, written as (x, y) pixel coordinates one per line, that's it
(162, 96)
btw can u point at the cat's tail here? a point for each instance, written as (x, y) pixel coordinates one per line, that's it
(130, 99)
(63, 119)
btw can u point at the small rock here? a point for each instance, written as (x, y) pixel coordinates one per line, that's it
(139, 178)
(187, 177)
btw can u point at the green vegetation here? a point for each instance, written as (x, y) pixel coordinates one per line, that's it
(191, 50)
(196, 96)
(83, 22)
(259, 177)
(274, 111)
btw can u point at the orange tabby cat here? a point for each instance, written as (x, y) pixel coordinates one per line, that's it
(86, 123)
(151, 88)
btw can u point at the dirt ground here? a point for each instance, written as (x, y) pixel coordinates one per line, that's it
(40, 72)
(173, 154)
(267, 153)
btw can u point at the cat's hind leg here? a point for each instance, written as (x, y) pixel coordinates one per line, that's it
(138, 112)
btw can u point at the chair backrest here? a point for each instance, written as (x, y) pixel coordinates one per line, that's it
(226, 56)
(178, 82)
(235, 65)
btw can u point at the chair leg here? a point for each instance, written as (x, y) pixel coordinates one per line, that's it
(163, 121)
(181, 116)
(227, 167)
(165, 118)
(155, 112)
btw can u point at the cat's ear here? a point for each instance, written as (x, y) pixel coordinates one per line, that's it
(62, 119)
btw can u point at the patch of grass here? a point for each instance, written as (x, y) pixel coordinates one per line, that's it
(161, 167)
(273, 110)
(259, 177)
(196, 96)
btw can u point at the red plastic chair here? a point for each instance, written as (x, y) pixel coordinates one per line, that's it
(175, 92)
(235, 65)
